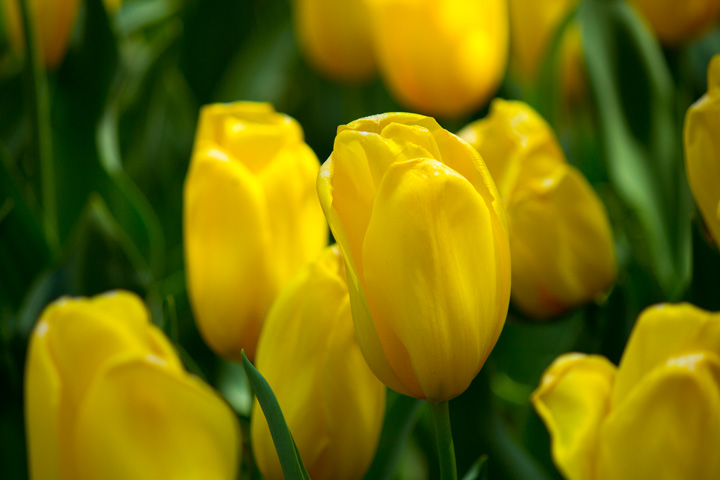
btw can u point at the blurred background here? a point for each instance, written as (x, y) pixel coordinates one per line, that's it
(95, 148)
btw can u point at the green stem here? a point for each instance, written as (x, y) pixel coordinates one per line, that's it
(41, 107)
(443, 437)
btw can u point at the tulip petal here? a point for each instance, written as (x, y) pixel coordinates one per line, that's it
(142, 421)
(251, 133)
(226, 251)
(561, 242)
(430, 239)
(42, 404)
(702, 150)
(573, 399)
(355, 408)
(288, 359)
(296, 221)
(364, 326)
(662, 332)
(669, 426)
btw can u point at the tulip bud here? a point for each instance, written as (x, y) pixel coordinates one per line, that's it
(560, 237)
(443, 58)
(53, 22)
(702, 150)
(423, 233)
(107, 397)
(336, 37)
(332, 402)
(251, 219)
(655, 416)
(533, 26)
(676, 22)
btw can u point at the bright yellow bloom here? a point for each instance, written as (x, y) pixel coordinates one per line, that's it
(533, 26)
(423, 233)
(702, 150)
(107, 397)
(53, 21)
(336, 36)
(251, 219)
(560, 238)
(676, 22)
(656, 416)
(442, 58)
(332, 402)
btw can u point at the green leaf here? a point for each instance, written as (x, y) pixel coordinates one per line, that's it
(399, 420)
(633, 94)
(478, 470)
(102, 256)
(290, 460)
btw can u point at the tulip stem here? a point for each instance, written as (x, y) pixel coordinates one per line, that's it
(40, 98)
(443, 437)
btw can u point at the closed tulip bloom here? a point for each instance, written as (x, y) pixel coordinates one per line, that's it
(655, 416)
(560, 238)
(702, 150)
(676, 22)
(332, 402)
(336, 37)
(441, 57)
(423, 233)
(107, 397)
(533, 26)
(53, 22)
(251, 219)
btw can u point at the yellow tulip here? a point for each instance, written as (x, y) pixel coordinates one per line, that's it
(332, 402)
(53, 22)
(655, 416)
(423, 233)
(533, 26)
(443, 58)
(675, 22)
(107, 397)
(336, 37)
(560, 237)
(251, 219)
(702, 150)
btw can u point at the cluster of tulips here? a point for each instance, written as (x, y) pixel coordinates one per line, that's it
(436, 234)
(432, 229)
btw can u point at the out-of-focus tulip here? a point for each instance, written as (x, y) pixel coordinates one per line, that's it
(675, 22)
(442, 58)
(251, 219)
(562, 249)
(702, 150)
(533, 25)
(423, 233)
(107, 397)
(656, 416)
(332, 402)
(53, 21)
(336, 36)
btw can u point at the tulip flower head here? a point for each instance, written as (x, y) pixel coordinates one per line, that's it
(560, 238)
(106, 396)
(53, 22)
(333, 404)
(702, 150)
(251, 219)
(533, 26)
(336, 37)
(423, 233)
(676, 22)
(441, 58)
(655, 416)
